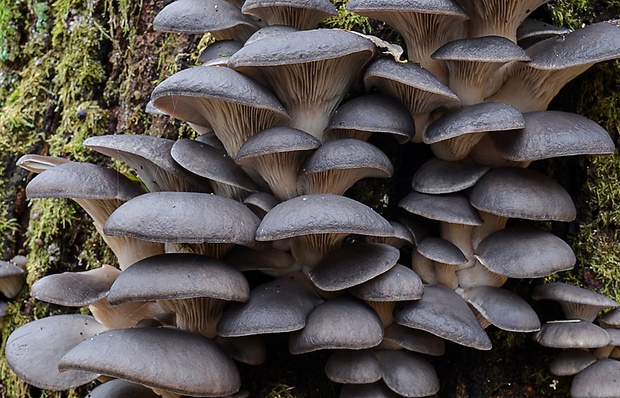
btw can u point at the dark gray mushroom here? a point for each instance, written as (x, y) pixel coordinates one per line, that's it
(601, 379)
(576, 302)
(531, 31)
(440, 176)
(120, 388)
(407, 373)
(571, 334)
(353, 367)
(301, 14)
(571, 361)
(400, 337)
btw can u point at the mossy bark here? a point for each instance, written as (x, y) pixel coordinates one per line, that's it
(73, 69)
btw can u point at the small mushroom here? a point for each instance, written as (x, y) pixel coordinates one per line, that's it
(576, 302)
(301, 14)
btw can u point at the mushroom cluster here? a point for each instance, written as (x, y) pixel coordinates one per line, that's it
(263, 188)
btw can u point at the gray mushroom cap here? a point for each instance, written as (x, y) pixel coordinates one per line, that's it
(443, 313)
(353, 367)
(276, 140)
(120, 388)
(302, 14)
(440, 176)
(12, 278)
(611, 319)
(339, 323)
(130, 353)
(450, 208)
(372, 390)
(280, 305)
(369, 114)
(224, 20)
(577, 302)
(39, 163)
(260, 203)
(184, 217)
(571, 361)
(415, 340)
(407, 373)
(531, 31)
(525, 252)
(220, 49)
(502, 308)
(550, 134)
(34, 350)
(601, 379)
(269, 31)
(492, 49)
(522, 193)
(441, 251)
(75, 289)
(179, 276)
(352, 265)
(399, 283)
(571, 334)
(250, 350)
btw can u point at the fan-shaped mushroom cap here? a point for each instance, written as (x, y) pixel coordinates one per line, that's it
(443, 313)
(502, 308)
(551, 134)
(424, 25)
(407, 373)
(33, 350)
(531, 31)
(270, 261)
(250, 350)
(571, 361)
(319, 223)
(130, 354)
(525, 252)
(186, 218)
(522, 193)
(601, 379)
(415, 87)
(474, 65)
(226, 178)
(447, 258)
(222, 49)
(371, 113)
(39, 163)
(400, 337)
(554, 62)
(150, 157)
(610, 319)
(219, 17)
(312, 86)
(352, 265)
(302, 14)
(571, 334)
(280, 305)
(120, 388)
(440, 176)
(337, 165)
(233, 104)
(450, 208)
(453, 136)
(260, 203)
(339, 323)
(276, 155)
(353, 367)
(270, 31)
(399, 283)
(12, 279)
(577, 302)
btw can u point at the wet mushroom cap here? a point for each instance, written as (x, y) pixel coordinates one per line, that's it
(130, 354)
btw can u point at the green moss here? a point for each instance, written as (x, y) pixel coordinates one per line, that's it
(347, 20)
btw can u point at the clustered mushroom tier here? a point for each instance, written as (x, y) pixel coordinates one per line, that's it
(262, 189)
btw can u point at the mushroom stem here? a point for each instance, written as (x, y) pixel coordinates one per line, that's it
(461, 236)
(199, 315)
(492, 223)
(125, 315)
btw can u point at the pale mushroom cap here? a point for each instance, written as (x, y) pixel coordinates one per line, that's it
(576, 301)
(340, 323)
(130, 353)
(39, 163)
(399, 283)
(184, 217)
(440, 176)
(503, 308)
(33, 350)
(522, 193)
(353, 367)
(321, 214)
(443, 313)
(600, 380)
(571, 334)
(179, 276)
(525, 252)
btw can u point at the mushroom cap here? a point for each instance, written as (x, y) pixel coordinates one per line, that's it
(399, 6)
(491, 49)
(280, 305)
(601, 379)
(184, 217)
(220, 49)
(353, 367)
(571, 361)
(34, 349)
(250, 350)
(120, 388)
(321, 214)
(450, 208)
(82, 180)
(39, 163)
(550, 134)
(478, 118)
(502, 308)
(352, 265)
(441, 251)
(571, 334)
(373, 113)
(276, 140)
(260, 203)
(522, 193)
(179, 276)
(525, 252)
(439, 176)
(75, 289)
(443, 313)
(372, 390)
(611, 319)
(270, 31)
(414, 340)
(577, 302)
(531, 31)
(408, 373)
(130, 354)
(302, 14)
(339, 323)
(399, 283)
